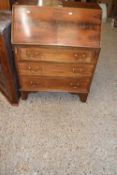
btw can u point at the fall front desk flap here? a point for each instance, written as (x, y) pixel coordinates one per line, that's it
(62, 26)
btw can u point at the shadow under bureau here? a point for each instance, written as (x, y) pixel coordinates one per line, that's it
(56, 49)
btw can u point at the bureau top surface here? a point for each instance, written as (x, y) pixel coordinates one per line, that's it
(5, 19)
(52, 26)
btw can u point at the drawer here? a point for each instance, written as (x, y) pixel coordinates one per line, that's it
(31, 83)
(66, 55)
(55, 69)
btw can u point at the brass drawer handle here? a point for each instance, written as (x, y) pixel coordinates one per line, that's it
(33, 83)
(76, 70)
(32, 53)
(31, 69)
(83, 55)
(76, 55)
(80, 55)
(75, 86)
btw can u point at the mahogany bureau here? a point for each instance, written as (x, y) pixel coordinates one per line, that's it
(8, 79)
(56, 49)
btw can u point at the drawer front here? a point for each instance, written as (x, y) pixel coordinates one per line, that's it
(57, 54)
(55, 69)
(31, 83)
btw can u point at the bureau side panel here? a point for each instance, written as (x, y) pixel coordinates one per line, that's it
(10, 88)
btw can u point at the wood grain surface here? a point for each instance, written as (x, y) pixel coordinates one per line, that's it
(32, 83)
(76, 27)
(56, 54)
